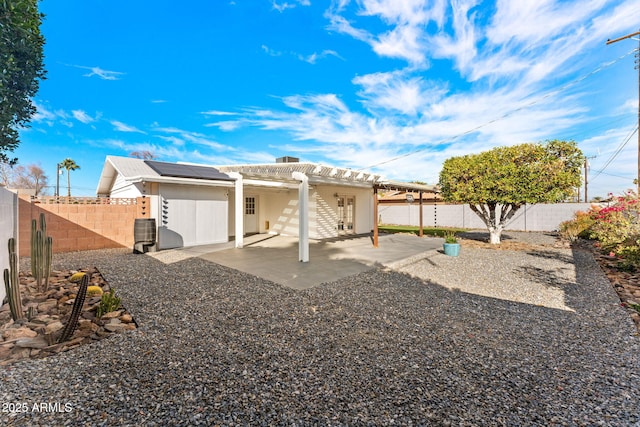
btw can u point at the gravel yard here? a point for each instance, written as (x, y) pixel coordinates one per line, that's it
(517, 338)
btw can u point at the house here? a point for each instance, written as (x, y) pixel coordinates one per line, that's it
(198, 204)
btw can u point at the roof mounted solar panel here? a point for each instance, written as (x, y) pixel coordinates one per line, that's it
(177, 170)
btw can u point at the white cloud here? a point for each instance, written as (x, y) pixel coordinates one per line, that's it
(395, 92)
(313, 58)
(404, 42)
(227, 125)
(42, 113)
(342, 25)
(508, 62)
(121, 127)
(461, 45)
(171, 139)
(281, 7)
(218, 113)
(408, 19)
(184, 136)
(270, 51)
(99, 72)
(82, 117)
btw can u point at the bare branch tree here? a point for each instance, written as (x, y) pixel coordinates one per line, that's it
(144, 154)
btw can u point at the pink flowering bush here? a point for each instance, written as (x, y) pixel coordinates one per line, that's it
(615, 227)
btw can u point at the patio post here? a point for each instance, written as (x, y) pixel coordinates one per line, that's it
(375, 216)
(239, 208)
(303, 216)
(421, 228)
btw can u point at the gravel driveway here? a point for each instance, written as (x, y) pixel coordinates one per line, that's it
(511, 338)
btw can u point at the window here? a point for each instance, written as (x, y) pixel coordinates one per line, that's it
(249, 205)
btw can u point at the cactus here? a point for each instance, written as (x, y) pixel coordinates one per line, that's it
(12, 284)
(41, 254)
(72, 324)
(94, 291)
(76, 277)
(109, 302)
(34, 228)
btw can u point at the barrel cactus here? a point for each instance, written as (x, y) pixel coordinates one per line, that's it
(94, 291)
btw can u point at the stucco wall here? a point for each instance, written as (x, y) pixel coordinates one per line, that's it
(8, 229)
(540, 217)
(280, 209)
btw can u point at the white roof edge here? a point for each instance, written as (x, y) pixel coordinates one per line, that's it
(178, 180)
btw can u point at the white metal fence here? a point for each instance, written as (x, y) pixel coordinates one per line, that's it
(539, 217)
(8, 229)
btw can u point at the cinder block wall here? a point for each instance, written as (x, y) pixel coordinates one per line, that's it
(81, 227)
(539, 217)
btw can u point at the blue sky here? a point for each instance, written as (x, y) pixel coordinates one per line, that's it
(392, 86)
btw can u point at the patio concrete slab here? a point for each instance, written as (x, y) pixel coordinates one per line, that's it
(275, 257)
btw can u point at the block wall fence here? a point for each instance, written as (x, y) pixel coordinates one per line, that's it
(80, 224)
(539, 217)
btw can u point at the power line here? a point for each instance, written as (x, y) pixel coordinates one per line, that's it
(583, 131)
(507, 114)
(615, 153)
(614, 175)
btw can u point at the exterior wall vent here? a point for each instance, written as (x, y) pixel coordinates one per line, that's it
(287, 159)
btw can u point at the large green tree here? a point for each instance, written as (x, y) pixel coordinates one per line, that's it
(21, 68)
(496, 183)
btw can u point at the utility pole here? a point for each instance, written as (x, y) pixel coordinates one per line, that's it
(586, 178)
(58, 180)
(637, 67)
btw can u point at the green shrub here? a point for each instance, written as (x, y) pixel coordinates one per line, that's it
(630, 256)
(579, 226)
(109, 302)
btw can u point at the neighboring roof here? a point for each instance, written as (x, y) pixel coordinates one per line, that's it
(407, 186)
(401, 197)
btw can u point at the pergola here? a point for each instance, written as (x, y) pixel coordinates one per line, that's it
(398, 186)
(302, 175)
(293, 175)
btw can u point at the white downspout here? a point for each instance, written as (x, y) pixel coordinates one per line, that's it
(303, 216)
(239, 208)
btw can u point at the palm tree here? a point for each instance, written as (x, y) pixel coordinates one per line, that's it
(69, 165)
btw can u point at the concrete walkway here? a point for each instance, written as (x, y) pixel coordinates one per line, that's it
(275, 257)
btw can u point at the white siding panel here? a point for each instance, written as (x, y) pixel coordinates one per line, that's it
(122, 188)
(191, 216)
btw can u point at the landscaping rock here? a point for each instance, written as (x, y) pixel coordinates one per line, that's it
(53, 327)
(378, 348)
(36, 342)
(22, 332)
(37, 334)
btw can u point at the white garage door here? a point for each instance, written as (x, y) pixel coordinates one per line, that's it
(191, 216)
